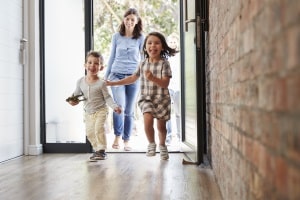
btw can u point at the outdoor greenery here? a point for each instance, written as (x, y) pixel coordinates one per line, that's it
(157, 15)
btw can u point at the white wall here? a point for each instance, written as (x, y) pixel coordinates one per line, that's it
(19, 81)
(11, 80)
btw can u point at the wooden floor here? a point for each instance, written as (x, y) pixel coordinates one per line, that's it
(123, 176)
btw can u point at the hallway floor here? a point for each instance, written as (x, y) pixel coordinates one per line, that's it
(122, 176)
(138, 140)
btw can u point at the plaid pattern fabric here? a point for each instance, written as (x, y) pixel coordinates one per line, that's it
(159, 70)
(158, 105)
(153, 98)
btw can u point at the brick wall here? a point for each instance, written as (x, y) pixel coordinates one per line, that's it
(253, 97)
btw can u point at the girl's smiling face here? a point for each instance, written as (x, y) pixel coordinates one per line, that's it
(153, 47)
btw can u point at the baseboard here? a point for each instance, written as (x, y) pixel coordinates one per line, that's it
(34, 150)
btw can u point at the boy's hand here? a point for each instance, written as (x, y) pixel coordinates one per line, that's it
(74, 100)
(73, 103)
(118, 110)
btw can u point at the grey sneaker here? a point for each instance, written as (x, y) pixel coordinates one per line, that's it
(151, 151)
(99, 155)
(164, 154)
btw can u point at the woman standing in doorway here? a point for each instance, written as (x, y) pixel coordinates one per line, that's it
(125, 55)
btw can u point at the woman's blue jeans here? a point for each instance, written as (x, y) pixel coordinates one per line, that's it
(125, 96)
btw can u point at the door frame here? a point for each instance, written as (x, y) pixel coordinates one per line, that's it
(201, 20)
(202, 23)
(62, 147)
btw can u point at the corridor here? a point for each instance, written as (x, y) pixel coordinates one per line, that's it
(123, 176)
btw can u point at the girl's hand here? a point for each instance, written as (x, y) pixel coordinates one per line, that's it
(149, 75)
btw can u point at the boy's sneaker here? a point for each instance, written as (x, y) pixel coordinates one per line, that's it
(164, 154)
(151, 151)
(99, 155)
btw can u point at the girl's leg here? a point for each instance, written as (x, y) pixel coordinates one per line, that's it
(148, 127)
(148, 124)
(161, 126)
(162, 131)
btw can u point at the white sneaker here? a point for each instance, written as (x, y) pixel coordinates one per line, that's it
(164, 154)
(151, 151)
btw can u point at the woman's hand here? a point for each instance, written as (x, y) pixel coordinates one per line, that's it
(118, 110)
(109, 83)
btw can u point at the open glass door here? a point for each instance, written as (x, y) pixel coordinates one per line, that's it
(64, 54)
(193, 88)
(105, 24)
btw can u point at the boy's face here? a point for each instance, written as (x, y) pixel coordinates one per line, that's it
(93, 65)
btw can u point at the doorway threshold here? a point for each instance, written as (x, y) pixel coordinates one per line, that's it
(139, 143)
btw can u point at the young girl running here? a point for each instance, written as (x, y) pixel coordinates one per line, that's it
(155, 102)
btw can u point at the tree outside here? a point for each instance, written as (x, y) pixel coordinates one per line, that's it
(157, 15)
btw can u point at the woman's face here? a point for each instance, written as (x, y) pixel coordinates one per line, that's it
(130, 21)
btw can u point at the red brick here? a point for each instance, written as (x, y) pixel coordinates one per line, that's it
(291, 131)
(280, 95)
(293, 92)
(292, 46)
(293, 184)
(281, 175)
(266, 94)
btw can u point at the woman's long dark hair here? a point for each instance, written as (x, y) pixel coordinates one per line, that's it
(137, 32)
(166, 52)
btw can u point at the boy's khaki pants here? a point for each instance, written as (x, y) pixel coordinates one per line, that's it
(95, 131)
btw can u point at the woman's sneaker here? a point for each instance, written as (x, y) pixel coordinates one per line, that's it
(99, 155)
(151, 151)
(164, 154)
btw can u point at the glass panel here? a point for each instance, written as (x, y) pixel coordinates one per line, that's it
(190, 87)
(190, 83)
(64, 60)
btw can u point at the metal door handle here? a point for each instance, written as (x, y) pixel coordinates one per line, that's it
(186, 23)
